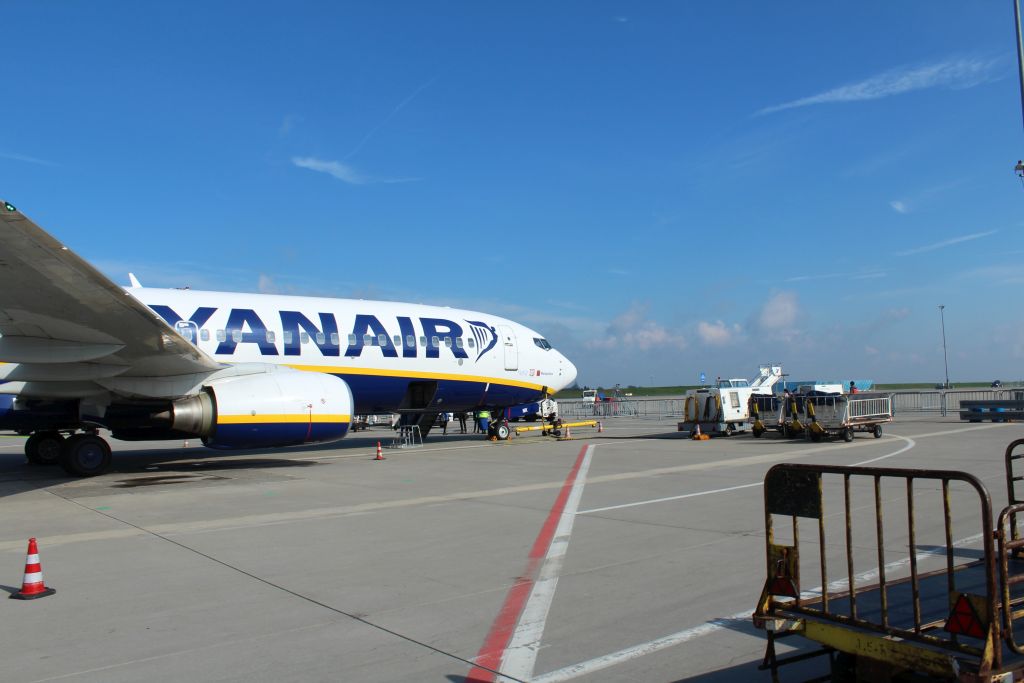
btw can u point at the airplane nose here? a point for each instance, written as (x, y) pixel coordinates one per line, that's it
(568, 372)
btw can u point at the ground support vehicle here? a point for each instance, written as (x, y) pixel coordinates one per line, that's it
(545, 409)
(932, 590)
(725, 409)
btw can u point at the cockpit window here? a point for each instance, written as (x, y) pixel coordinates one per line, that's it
(542, 343)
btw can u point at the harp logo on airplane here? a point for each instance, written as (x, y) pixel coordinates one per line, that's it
(245, 326)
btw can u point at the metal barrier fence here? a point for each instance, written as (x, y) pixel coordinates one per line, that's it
(943, 402)
(656, 408)
(935, 401)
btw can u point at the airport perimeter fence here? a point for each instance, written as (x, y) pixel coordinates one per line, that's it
(935, 401)
(649, 408)
(944, 402)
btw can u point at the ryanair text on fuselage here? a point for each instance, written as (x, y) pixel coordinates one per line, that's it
(244, 326)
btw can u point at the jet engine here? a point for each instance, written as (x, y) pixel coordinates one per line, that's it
(282, 408)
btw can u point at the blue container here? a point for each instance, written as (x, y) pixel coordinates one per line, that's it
(484, 423)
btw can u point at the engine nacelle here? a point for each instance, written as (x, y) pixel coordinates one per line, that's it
(281, 408)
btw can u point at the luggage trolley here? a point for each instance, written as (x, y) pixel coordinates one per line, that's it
(842, 415)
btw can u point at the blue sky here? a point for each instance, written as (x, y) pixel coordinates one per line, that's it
(661, 188)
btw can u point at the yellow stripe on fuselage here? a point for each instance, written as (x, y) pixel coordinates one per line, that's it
(280, 419)
(377, 372)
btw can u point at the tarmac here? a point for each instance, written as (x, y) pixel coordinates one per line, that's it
(634, 554)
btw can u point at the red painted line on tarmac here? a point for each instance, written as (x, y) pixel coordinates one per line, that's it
(498, 638)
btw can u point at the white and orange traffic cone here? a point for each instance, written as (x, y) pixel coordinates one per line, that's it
(32, 585)
(568, 434)
(380, 456)
(600, 427)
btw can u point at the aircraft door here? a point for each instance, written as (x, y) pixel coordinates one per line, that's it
(508, 341)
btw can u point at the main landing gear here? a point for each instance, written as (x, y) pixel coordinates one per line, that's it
(81, 455)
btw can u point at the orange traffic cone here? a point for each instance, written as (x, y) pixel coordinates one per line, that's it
(697, 434)
(380, 456)
(600, 427)
(32, 585)
(568, 433)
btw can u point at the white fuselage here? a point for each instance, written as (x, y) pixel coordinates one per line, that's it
(377, 347)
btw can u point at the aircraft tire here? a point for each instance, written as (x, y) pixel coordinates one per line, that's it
(85, 455)
(501, 431)
(43, 448)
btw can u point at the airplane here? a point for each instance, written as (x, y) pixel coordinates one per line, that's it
(80, 353)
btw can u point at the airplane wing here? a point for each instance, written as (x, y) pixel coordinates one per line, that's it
(64, 320)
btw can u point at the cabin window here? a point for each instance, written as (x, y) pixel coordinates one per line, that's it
(471, 342)
(304, 337)
(320, 338)
(435, 342)
(221, 336)
(410, 341)
(204, 334)
(287, 336)
(423, 341)
(458, 342)
(367, 340)
(351, 340)
(236, 336)
(398, 340)
(270, 336)
(382, 340)
(448, 342)
(334, 339)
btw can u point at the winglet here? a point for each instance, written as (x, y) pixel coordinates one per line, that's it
(134, 280)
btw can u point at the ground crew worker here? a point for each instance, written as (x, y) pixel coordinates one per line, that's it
(483, 419)
(853, 388)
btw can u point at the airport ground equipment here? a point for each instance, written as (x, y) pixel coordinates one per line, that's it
(556, 427)
(916, 579)
(818, 417)
(725, 408)
(832, 416)
(994, 410)
(407, 436)
(545, 409)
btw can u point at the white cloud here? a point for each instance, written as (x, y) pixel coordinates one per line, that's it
(266, 285)
(717, 333)
(899, 207)
(26, 159)
(953, 73)
(633, 330)
(287, 124)
(946, 243)
(342, 172)
(779, 313)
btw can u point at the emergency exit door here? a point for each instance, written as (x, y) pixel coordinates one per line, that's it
(508, 342)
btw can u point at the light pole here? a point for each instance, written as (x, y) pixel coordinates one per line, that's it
(1019, 168)
(945, 359)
